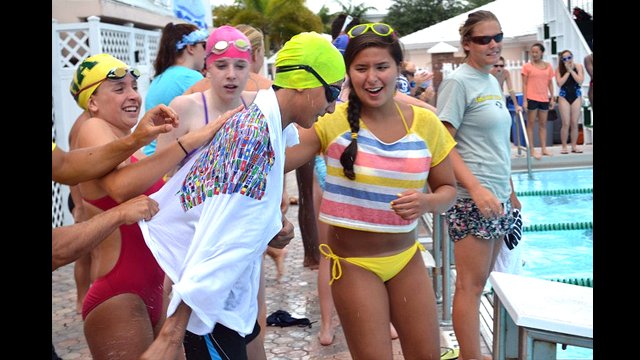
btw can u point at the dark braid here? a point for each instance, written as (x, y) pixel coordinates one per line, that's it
(348, 157)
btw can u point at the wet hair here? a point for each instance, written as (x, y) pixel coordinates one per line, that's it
(167, 54)
(561, 67)
(255, 36)
(474, 19)
(357, 44)
(539, 45)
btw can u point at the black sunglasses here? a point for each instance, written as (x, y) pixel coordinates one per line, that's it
(330, 91)
(484, 40)
(498, 65)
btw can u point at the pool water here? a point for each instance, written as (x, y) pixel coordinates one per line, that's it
(557, 254)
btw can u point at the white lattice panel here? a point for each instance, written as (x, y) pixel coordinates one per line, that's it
(117, 44)
(74, 47)
(143, 57)
(154, 42)
(57, 215)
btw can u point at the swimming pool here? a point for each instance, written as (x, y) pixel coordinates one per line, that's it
(558, 254)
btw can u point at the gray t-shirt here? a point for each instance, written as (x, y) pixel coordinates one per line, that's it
(472, 102)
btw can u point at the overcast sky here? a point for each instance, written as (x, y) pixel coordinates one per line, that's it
(315, 5)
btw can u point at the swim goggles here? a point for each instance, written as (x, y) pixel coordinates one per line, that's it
(113, 74)
(331, 92)
(222, 46)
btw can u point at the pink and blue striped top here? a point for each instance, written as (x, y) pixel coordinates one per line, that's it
(382, 170)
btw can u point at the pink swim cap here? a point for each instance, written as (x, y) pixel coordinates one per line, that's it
(227, 42)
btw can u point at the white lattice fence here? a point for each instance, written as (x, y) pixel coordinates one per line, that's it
(56, 189)
(71, 44)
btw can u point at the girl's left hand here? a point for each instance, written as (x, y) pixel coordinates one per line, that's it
(410, 204)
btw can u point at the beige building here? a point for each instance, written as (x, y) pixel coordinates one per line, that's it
(144, 14)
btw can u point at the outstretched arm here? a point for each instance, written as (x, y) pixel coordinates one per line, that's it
(85, 164)
(133, 179)
(302, 153)
(68, 243)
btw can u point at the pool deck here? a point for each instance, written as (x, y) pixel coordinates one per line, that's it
(296, 293)
(556, 161)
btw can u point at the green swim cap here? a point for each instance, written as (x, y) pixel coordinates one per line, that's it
(309, 48)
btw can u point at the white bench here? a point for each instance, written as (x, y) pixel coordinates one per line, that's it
(532, 315)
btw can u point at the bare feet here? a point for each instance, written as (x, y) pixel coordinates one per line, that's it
(278, 256)
(326, 334)
(394, 333)
(546, 152)
(536, 155)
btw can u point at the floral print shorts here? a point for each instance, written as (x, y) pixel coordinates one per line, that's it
(464, 218)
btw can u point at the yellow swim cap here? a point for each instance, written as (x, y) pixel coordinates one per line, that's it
(91, 71)
(309, 48)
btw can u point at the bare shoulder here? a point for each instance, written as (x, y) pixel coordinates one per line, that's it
(184, 103)
(92, 132)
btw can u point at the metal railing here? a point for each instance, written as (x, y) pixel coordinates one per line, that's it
(521, 128)
(442, 270)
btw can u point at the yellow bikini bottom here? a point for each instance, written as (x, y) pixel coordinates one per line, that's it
(386, 267)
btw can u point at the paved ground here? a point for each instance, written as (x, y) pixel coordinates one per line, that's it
(295, 293)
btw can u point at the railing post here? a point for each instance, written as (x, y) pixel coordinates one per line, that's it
(437, 256)
(95, 37)
(446, 272)
(131, 42)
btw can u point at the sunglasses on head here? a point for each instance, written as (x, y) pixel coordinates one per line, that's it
(113, 74)
(484, 40)
(567, 58)
(331, 92)
(222, 46)
(380, 29)
(498, 65)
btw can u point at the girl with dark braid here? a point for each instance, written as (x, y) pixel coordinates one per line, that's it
(381, 155)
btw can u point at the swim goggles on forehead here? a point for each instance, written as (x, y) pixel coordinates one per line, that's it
(380, 29)
(331, 92)
(222, 46)
(113, 74)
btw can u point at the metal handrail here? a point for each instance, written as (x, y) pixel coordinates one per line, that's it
(437, 258)
(446, 273)
(442, 270)
(520, 127)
